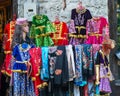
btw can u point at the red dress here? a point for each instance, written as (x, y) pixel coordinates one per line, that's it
(35, 61)
(60, 37)
(8, 34)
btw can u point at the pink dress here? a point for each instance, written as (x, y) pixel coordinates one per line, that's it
(97, 29)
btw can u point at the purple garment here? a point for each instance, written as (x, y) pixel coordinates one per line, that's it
(105, 85)
(102, 60)
(80, 19)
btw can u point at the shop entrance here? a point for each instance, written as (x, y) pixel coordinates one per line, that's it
(5, 14)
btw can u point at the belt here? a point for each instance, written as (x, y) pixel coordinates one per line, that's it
(95, 34)
(79, 28)
(22, 62)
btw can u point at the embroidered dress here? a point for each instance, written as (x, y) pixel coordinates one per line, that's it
(8, 34)
(6, 67)
(72, 31)
(105, 73)
(41, 29)
(80, 18)
(60, 36)
(22, 84)
(97, 29)
(35, 60)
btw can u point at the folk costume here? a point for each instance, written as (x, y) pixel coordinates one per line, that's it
(80, 17)
(41, 29)
(60, 37)
(22, 83)
(97, 29)
(8, 34)
(36, 63)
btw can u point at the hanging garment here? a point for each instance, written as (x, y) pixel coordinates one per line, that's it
(44, 73)
(52, 61)
(84, 64)
(6, 67)
(40, 30)
(105, 74)
(8, 34)
(22, 84)
(62, 64)
(36, 63)
(79, 71)
(96, 30)
(61, 80)
(73, 40)
(80, 18)
(71, 63)
(87, 61)
(60, 37)
(7, 41)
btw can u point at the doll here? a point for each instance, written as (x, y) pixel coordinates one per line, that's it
(102, 66)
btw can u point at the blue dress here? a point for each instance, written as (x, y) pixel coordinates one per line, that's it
(22, 83)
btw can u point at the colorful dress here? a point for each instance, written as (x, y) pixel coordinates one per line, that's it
(22, 83)
(35, 60)
(97, 29)
(60, 36)
(80, 18)
(105, 73)
(72, 31)
(8, 34)
(40, 30)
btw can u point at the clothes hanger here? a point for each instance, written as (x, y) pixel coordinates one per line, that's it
(14, 17)
(57, 19)
(80, 6)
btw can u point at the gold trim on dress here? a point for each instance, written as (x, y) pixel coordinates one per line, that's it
(20, 71)
(81, 11)
(95, 34)
(79, 28)
(76, 35)
(7, 52)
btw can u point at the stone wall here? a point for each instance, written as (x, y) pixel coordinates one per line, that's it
(52, 8)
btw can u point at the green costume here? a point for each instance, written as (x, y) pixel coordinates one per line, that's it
(41, 29)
